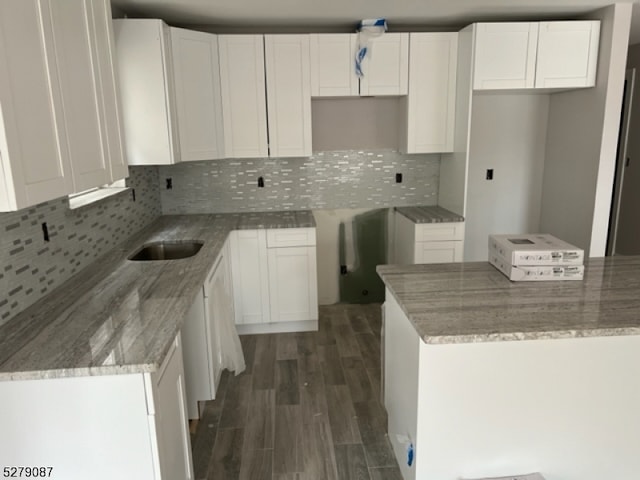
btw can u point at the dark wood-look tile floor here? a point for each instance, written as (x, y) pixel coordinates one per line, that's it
(307, 407)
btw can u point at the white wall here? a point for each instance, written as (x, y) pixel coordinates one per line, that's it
(508, 135)
(348, 123)
(582, 141)
(628, 237)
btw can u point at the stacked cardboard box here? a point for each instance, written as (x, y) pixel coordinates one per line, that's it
(535, 257)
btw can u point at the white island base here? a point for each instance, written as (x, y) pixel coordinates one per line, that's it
(567, 408)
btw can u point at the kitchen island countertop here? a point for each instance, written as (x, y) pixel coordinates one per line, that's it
(120, 316)
(473, 302)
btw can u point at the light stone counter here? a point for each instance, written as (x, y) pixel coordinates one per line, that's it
(429, 214)
(473, 302)
(120, 316)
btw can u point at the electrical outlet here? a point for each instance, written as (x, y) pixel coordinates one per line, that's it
(169, 183)
(260, 182)
(398, 178)
(489, 173)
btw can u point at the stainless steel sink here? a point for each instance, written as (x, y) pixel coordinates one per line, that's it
(166, 251)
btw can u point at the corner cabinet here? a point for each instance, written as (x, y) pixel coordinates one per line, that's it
(429, 108)
(283, 98)
(58, 99)
(171, 92)
(274, 280)
(551, 55)
(416, 243)
(333, 72)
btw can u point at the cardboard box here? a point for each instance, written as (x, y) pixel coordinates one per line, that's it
(535, 249)
(531, 273)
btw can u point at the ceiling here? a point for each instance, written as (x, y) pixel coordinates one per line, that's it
(335, 15)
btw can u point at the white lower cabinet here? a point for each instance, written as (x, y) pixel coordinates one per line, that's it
(250, 276)
(274, 280)
(427, 242)
(128, 426)
(293, 285)
(170, 414)
(201, 333)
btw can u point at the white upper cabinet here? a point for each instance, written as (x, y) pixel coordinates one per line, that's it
(58, 122)
(567, 54)
(197, 89)
(333, 71)
(505, 55)
(385, 67)
(113, 130)
(74, 57)
(35, 160)
(170, 91)
(430, 104)
(145, 74)
(535, 55)
(333, 64)
(244, 105)
(288, 95)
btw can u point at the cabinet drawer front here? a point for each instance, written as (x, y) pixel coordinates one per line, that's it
(428, 232)
(438, 252)
(291, 237)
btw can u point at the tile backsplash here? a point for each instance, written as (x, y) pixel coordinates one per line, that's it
(30, 267)
(343, 179)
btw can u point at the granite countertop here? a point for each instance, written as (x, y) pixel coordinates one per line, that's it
(429, 214)
(119, 316)
(474, 302)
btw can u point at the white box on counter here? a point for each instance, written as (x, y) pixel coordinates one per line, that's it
(530, 273)
(535, 249)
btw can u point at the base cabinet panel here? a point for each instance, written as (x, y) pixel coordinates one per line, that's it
(172, 429)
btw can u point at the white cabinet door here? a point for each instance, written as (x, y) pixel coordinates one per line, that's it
(333, 64)
(172, 429)
(72, 27)
(438, 252)
(145, 77)
(293, 284)
(505, 55)
(432, 92)
(217, 311)
(567, 54)
(196, 356)
(34, 158)
(250, 276)
(288, 95)
(112, 130)
(243, 95)
(386, 66)
(197, 90)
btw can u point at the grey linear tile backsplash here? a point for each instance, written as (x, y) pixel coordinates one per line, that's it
(30, 267)
(344, 179)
